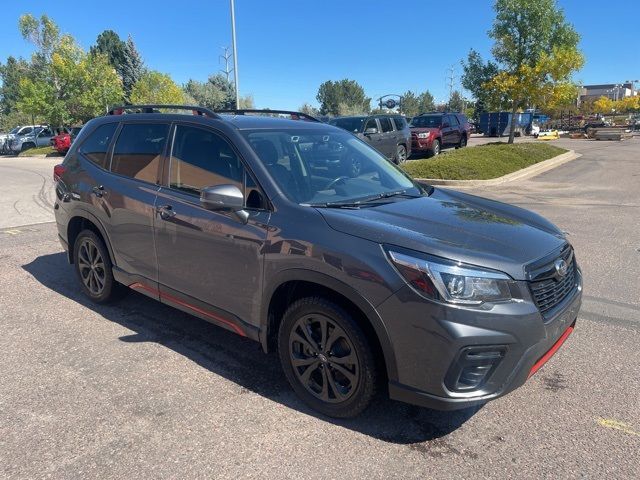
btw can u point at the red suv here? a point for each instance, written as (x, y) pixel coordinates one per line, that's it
(62, 142)
(431, 132)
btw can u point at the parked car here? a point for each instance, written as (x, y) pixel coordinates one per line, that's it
(62, 141)
(431, 132)
(4, 140)
(30, 136)
(389, 134)
(445, 299)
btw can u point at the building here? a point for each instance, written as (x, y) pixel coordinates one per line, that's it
(614, 91)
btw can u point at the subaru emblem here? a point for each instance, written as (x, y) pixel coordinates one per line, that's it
(561, 267)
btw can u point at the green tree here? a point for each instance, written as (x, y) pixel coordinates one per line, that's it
(132, 68)
(309, 110)
(456, 102)
(342, 97)
(10, 75)
(43, 33)
(110, 44)
(537, 51)
(216, 93)
(426, 102)
(156, 87)
(413, 104)
(476, 74)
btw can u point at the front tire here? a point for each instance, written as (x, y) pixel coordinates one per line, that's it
(326, 358)
(435, 148)
(463, 142)
(94, 269)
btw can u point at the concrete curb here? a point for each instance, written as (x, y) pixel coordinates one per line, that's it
(531, 171)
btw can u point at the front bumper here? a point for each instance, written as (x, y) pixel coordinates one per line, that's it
(421, 144)
(428, 339)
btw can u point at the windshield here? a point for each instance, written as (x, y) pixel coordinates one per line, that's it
(427, 121)
(15, 130)
(351, 124)
(320, 167)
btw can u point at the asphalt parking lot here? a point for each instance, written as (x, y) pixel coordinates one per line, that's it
(140, 390)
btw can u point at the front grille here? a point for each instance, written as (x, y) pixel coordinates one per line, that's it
(550, 292)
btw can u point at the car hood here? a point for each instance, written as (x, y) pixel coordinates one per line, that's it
(457, 226)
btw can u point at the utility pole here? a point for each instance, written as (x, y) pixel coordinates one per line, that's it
(235, 53)
(451, 78)
(226, 56)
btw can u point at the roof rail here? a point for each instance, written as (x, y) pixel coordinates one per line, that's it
(150, 108)
(294, 115)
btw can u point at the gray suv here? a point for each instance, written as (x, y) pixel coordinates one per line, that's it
(389, 134)
(366, 283)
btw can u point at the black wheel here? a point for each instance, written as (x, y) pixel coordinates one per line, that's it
(463, 142)
(435, 148)
(401, 154)
(326, 358)
(93, 267)
(26, 146)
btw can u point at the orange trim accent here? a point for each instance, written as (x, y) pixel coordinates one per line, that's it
(172, 299)
(551, 352)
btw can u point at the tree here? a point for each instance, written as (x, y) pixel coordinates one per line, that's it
(476, 74)
(456, 102)
(413, 104)
(216, 93)
(43, 33)
(603, 105)
(309, 110)
(10, 74)
(132, 68)
(156, 87)
(110, 44)
(342, 97)
(426, 102)
(537, 51)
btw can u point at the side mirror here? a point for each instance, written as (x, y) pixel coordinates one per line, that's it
(224, 198)
(371, 131)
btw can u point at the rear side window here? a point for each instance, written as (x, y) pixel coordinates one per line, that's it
(138, 150)
(94, 147)
(400, 123)
(385, 124)
(453, 121)
(201, 158)
(462, 119)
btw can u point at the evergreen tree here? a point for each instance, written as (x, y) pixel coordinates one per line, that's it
(132, 68)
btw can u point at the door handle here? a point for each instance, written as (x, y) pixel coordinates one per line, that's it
(98, 191)
(166, 212)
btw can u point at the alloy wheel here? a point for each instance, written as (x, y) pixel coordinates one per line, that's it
(91, 267)
(323, 358)
(401, 155)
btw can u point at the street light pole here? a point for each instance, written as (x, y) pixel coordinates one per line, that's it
(235, 53)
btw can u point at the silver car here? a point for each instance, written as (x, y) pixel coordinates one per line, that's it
(30, 136)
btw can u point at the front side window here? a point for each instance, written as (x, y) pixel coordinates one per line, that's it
(371, 123)
(385, 124)
(351, 124)
(25, 131)
(95, 145)
(201, 158)
(320, 166)
(138, 150)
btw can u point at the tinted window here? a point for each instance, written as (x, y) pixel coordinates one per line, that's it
(352, 124)
(385, 124)
(95, 146)
(138, 150)
(427, 121)
(453, 121)
(371, 123)
(201, 158)
(400, 123)
(25, 131)
(462, 119)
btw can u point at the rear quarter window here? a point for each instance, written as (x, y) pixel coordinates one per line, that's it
(385, 124)
(94, 148)
(138, 150)
(400, 123)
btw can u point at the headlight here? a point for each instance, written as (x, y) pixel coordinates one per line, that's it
(424, 135)
(445, 280)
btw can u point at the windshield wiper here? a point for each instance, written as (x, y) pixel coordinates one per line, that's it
(396, 193)
(365, 202)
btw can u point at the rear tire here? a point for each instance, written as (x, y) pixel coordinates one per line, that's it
(463, 142)
(435, 148)
(94, 269)
(401, 154)
(326, 358)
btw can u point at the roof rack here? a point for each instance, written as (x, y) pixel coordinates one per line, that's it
(151, 108)
(294, 115)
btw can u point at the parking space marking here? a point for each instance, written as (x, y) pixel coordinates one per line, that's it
(616, 425)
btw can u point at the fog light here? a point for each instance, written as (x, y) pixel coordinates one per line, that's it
(473, 367)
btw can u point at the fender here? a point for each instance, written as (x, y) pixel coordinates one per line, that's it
(80, 211)
(343, 289)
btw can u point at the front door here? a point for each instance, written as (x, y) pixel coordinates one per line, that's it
(376, 140)
(388, 137)
(209, 262)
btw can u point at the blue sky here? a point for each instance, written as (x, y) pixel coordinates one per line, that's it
(286, 48)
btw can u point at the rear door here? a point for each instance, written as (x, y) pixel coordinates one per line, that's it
(210, 262)
(374, 139)
(455, 129)
(388, 137)
(128, 195)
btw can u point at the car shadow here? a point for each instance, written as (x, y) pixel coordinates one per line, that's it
(240, 360)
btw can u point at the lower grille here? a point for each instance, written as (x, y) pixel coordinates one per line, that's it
(550, 292)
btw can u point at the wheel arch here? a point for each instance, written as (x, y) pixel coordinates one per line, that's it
(289, 285)
(83, 220)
